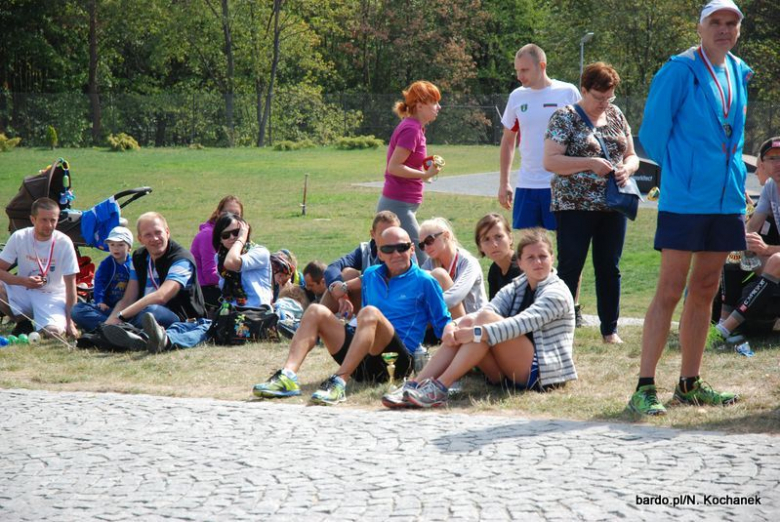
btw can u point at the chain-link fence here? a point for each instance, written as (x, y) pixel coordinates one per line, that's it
(172, 119)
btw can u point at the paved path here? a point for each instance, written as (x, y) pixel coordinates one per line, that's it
(486, 184)
(82, 456)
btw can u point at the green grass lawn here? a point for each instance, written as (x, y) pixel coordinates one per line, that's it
(187, 185)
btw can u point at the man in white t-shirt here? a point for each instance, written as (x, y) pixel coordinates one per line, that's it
(527, 112)
(44, 287)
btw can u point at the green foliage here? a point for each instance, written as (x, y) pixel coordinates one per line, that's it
(122, 142)
(359, 142)
(51, 136)
(6, 144)
(294, 145)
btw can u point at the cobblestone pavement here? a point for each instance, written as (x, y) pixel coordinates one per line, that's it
(83, 456)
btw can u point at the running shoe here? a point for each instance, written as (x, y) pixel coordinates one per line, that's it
(396, 399)
(332, 391)
(715, 339)
(279, 385)
(644, 401)
(158, 339)
(703, 394)
(429, 394)
(121, 338)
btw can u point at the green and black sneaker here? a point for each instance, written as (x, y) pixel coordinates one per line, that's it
(644, 401)
(703, 394)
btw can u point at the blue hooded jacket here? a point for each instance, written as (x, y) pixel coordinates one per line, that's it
(702, 171)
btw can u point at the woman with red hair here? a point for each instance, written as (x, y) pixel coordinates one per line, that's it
(405, 173)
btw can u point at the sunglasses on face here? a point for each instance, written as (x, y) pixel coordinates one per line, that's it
(227, 233)
(428, 241)
(400, 248)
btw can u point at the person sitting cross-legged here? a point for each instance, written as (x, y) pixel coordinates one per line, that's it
(523, 338)
(399, 300)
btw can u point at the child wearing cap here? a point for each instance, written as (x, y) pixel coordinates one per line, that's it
(110, 281)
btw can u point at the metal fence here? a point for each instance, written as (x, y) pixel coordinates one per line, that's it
(172, 119)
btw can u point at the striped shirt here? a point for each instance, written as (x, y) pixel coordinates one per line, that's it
(550, 317)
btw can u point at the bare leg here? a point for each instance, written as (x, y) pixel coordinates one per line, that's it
(374, 332)
(317, 321)
(445, 281)
(5, 308)
(332, 303)
(695, 320)
(658, 320)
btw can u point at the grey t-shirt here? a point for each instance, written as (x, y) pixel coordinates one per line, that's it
(769, 202)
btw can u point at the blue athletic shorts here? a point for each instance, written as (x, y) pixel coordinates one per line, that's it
(532, 209)
(700, 232)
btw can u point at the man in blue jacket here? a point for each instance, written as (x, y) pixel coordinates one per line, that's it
(693, 127)
(399, 301)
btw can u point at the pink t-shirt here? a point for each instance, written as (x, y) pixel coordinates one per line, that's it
(409, 135)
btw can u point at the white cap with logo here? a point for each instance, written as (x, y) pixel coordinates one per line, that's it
(720, 5)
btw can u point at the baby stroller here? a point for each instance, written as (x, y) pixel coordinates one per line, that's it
(88, 228)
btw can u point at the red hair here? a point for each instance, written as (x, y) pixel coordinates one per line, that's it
(418, 92)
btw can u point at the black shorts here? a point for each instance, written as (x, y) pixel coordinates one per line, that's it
(372, 367)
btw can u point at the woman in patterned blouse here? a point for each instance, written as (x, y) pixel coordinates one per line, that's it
(574, 154)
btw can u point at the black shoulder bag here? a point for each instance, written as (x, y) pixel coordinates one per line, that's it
(623, 199)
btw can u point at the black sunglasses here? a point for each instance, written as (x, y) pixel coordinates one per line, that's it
(227, 233)
(400, 248)
(428, 241)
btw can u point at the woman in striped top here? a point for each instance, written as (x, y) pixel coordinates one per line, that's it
(523, 337)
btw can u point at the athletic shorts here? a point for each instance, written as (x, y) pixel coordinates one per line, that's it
(46, 309)
(532, 209)
(700, 232)
(373, 368)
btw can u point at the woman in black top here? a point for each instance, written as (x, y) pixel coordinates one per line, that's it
(494, 240)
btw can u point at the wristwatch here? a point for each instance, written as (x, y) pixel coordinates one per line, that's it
(342, 285)
(120, 316)
(477, 334)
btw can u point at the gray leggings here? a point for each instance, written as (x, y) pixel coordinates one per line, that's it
(406, 214)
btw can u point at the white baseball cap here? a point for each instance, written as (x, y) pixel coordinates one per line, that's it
(720, 5)
(121, 234)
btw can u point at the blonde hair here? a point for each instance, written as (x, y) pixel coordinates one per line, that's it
(149, 216)
(441, 225)
(419, 92)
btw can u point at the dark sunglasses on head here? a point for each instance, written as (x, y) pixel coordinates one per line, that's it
(400, 248)
(428, 241)
(227, 233)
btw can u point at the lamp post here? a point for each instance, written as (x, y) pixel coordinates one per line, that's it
(585, 39)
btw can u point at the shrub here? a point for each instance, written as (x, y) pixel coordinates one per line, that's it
(51, 137)
(359, 142)
(293, 145)
(7, 144)
(122, 142)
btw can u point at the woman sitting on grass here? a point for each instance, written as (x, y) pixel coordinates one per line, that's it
(522, 338)
(456, 270)
(494, 240)
(244, 268)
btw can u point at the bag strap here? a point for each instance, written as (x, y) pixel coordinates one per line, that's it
(596, 135)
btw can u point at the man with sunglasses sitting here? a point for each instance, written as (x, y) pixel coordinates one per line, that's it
(399, 301)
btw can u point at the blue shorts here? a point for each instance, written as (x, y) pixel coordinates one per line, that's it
(700, 232)
(532, 209)
(533, 378)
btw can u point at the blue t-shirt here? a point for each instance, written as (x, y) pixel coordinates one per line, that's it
(410, 302)
(111, 280)
(181, 271)
(256, 277)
